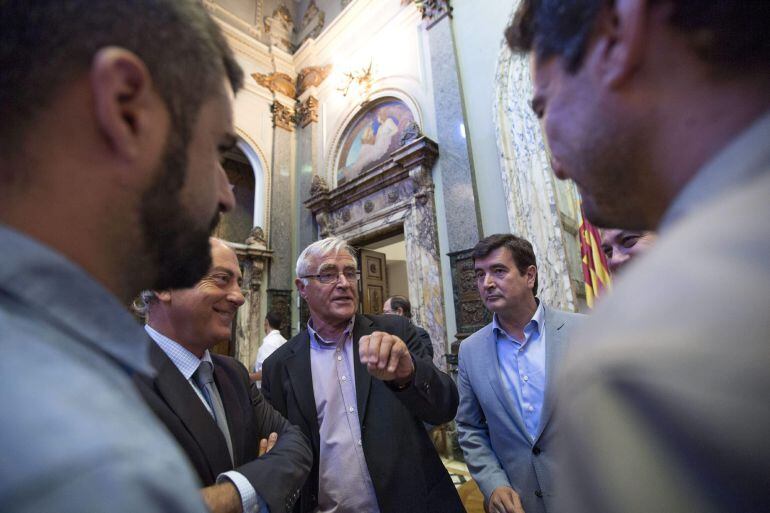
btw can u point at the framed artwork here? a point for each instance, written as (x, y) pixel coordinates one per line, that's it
(371, 138)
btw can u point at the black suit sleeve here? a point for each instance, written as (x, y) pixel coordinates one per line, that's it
(432, 396)
(279, 475)
(425, 341)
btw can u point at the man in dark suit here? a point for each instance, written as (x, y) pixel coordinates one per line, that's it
(207, 402)
(399, 305)
(361, 386)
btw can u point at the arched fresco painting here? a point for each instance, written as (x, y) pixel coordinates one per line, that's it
(371, 138)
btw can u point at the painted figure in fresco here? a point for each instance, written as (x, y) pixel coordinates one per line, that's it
(376, 139)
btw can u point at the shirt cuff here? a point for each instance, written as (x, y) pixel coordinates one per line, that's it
(250, 499)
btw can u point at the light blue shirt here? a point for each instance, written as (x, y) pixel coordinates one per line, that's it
(187, 363)
(522, 364)
(344, 481)
(75, 435)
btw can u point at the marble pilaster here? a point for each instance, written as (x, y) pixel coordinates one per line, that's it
(423, 262)
(253, 257)
(281, 210)
(454, 163)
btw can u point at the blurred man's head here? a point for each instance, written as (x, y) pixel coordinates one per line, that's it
(273, 321)
(398, 305)
(327, 278)
(506, 273)
(620, 87)
(622, 246)
(201, 317)
(133, 102)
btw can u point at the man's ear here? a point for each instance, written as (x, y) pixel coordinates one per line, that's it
(531, 273)
(125, 100)
(300, 287)
(163, 296)
(620, 33)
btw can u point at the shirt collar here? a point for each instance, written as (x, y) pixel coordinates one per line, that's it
(64, 294)
(532, 327)
(744, 158)
(183, 359)
(319, 342)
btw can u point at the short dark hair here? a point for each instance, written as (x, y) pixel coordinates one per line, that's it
(274, 318)
(402, 303)
(730, 33)
(46, 44)
(521, 251)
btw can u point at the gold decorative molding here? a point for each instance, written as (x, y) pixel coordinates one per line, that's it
(432, 10)
(283, 116)
(312, 76)
(307, 112)
(277, 82)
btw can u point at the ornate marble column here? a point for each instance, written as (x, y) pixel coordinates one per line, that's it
(253, 257)
(281, 201)
(454, 163)
(422, 250)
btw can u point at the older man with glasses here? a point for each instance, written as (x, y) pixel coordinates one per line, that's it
(360, 387)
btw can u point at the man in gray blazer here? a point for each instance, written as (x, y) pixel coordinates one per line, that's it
(506, 397)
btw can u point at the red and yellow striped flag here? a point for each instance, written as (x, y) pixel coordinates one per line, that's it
(595, 270)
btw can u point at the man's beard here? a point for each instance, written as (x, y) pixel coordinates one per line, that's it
(174, 246)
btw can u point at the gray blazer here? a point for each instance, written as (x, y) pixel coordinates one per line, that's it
(498, 449)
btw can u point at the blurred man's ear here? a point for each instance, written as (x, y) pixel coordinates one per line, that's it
(163, 296)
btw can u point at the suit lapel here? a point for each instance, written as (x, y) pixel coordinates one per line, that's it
(185, 403)
(363, 326)
(555, 345)
(301, 378)
(491, 365)
(235, 423)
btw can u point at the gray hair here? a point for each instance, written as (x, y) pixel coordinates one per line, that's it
(141, 305)
(321, 248)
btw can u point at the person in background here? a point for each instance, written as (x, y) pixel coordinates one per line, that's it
(399, 305)
(272, 341)
(622, 246)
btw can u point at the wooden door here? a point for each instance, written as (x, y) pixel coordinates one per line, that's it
(374, 281)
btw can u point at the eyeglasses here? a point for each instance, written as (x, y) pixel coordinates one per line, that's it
(333, 276)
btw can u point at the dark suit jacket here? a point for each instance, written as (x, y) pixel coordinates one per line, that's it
(425, 338)
(277, 476)
(406, 471)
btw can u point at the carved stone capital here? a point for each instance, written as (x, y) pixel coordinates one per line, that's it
(326, 223)
(318, 186)
(257, 273)
(433, 10)
(256, 237)
(277, 83)
(312, 76)
(307, 112)
(283, 116)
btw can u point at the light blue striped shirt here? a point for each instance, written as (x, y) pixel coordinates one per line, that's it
(522, 364)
